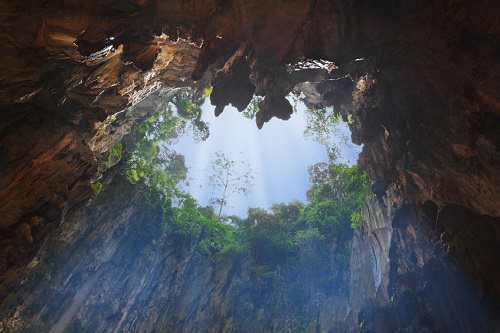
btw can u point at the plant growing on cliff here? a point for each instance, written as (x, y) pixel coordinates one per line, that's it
(355, 219)
(288, 235)
(189, 112)
(191, 220)
(115, 154)
(322, 125)
(229, 178)
(343, 187)
(151, 163)
(97, 187)
(252, 108)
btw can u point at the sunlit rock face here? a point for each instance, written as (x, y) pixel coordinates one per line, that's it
(62, 111)
(425, 105)
(409, 273)
(109, 267)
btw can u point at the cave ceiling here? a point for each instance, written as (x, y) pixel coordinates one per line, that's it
(419, 77)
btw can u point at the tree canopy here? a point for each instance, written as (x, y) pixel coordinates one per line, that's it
(290, 233)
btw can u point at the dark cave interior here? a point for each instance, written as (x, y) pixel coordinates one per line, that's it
(418, 81)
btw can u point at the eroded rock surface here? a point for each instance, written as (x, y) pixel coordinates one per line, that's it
(110, 268)
(419, 79)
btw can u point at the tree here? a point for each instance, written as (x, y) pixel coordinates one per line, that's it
(151, 162)
(159, 169)
(189, 109)
(322, 125)
(229, 179)
(338, 192)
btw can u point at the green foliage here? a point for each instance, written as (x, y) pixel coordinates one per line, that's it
(323, 213)
(312, 235)
(299, 324)
(200, 222)
(203, 245)
(233, 250)
(252, 108)
(302, 250)
(161, 170)
(350, 119)
(97, 187)
(355, 219)
(289, 236)
(207, 91)
(320, 124)
(115, 154)
(338, 191)
(288, 213)
(226, 178)
(151, 163)
(190, 112)
(289, 231)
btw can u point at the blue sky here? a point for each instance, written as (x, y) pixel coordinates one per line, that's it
(278, 156)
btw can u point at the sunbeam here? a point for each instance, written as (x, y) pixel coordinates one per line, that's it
(278, 156)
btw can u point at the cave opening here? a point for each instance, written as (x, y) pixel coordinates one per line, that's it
(226, 169)
(276, 156)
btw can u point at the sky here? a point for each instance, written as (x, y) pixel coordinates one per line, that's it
(278, 156)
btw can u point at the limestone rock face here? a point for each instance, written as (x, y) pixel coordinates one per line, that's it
(409, 273)
(62, 110)
(419, 79)
(110, 268)
(370, 262)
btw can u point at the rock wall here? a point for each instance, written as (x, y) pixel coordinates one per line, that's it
(424, 101)
(411, 270)
(109, 267)
(48, 169)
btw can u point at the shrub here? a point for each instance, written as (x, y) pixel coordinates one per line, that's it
(355, 219)
(97, 187)
(115, 154)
